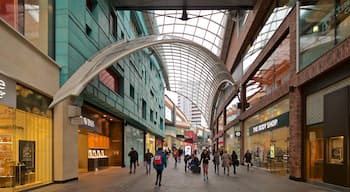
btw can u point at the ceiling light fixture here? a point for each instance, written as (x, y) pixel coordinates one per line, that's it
(184, 16)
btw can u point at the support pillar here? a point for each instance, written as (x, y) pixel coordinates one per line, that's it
(65, 144)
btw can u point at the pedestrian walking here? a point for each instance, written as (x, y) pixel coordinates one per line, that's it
(175, 155)
(216, 162)
(235, 161)
(159, 163)
(134, 159)
(226, 161)
(148, 159)
(248, 159)
(205, 157)
(186, 159)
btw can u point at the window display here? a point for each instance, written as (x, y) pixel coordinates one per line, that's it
(336, 150)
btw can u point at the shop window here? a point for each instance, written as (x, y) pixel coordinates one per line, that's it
(232, 110)
(112, 80)
(273, 74)
(323, 24)
(336, 150)
(30, 101)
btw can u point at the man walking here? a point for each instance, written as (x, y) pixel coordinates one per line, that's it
(134, 158)
(159, 162)
(148, 159)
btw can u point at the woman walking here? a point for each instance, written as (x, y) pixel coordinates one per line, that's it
(216, 162)
(226, 161)
(205, 157)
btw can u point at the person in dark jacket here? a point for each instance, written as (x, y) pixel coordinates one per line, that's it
(159, 163)
(148, 159)
(248, 159)
(134, 158)
(235, 161)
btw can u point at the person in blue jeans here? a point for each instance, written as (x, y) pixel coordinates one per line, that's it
(148, 159)
(159, 163)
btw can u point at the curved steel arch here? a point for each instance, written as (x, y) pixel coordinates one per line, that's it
(109, 55)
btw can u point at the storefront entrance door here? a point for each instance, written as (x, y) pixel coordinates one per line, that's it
(314, 153)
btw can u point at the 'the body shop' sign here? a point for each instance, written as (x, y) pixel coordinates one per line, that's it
(279, 121)
(7, 91)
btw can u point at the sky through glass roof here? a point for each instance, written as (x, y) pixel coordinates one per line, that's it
(191, 72)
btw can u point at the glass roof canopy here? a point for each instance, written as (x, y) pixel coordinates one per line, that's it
(192, 72)
(205, 27)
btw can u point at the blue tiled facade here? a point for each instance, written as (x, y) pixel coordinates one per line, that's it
(81, 32)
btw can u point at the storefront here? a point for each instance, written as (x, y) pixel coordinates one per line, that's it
(266, 136)
(134, 138)
(151, 143)
(25, 137)
(327, 133)
(100, 140)
(233, 140)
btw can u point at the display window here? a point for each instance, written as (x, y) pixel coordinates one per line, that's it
(266, 135)
(233, 140)
(26, 141)
(336, 150)
(150, 143)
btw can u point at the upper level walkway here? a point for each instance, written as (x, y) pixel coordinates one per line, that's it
(116, 179)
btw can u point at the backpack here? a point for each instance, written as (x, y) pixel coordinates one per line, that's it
(158, 159)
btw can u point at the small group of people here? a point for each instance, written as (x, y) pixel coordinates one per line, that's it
(228, 160)
(159, 162)
(191, 162)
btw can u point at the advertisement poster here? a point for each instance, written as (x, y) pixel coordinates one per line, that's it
(27, 154)
(187, 150)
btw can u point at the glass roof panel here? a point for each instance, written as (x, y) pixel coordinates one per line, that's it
(192, 71)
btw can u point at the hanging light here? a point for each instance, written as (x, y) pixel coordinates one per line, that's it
(184, 16)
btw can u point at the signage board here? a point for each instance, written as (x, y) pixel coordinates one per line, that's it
(7, 91)
(277, 122)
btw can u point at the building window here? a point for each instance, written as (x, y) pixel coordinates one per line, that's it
(151, 115)
(113, 23)
(132, 92)
(33, 19)
(112, 80)
(91, 4)
(161, 126)
(144, 108)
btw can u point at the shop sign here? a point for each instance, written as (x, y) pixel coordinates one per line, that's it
(7, 91)
(277, 122)
(88, 124)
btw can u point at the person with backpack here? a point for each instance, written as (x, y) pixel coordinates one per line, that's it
(159, 162)
(148, 159)
(134, 158)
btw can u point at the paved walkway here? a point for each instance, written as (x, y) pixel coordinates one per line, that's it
(116, 179)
